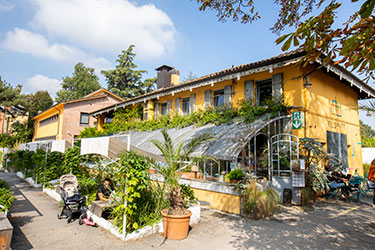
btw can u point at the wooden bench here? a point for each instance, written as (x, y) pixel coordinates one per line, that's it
(6, 231)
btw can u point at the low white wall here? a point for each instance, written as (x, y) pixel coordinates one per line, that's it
(368, 155)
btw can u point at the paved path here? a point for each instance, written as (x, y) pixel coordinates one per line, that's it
(328, 225)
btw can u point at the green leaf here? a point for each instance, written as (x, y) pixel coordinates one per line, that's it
(287, 44)
(367, 8)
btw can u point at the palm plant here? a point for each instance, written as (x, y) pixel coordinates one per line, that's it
(176, 159)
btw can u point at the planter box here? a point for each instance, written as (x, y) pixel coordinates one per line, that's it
(189, 175)
(6, 231)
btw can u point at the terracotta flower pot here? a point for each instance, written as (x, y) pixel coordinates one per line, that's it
(234, 181)
(176, 227)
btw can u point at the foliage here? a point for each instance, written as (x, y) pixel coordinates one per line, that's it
(176, 157)
(83, 82)
(4, 184)
(6, 196)
(72, 161)
(319, 163)
(190, 76)
(367, 135)
(124, 80)
(351, 44)
(128, 119)
(257, 203)
(40, 100)
(10, 96)
(187, 194)
(235, 174)
(141, 200)
(366, 168)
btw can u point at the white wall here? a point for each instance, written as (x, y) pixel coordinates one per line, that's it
(368, 154)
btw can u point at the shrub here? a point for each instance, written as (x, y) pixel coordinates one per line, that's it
(235, 174)
(259, 204)
(6, 196)
(188, 194)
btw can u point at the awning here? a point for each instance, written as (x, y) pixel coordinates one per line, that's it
(229, 139)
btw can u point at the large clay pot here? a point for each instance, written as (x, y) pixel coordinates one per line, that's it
(176, 227)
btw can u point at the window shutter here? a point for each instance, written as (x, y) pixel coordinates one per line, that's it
(192, 103)
(169, 107)
(277, 86)
(156, 112)
(207, 98)
(249, 91)
(178, 105)
(228, 95)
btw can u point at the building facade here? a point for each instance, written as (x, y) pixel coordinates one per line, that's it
(66, 120)
(323, 99)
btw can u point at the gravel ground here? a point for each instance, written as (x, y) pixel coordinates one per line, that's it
(326, 225)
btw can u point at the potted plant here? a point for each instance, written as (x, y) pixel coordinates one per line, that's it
(176, 217)
(235, 175)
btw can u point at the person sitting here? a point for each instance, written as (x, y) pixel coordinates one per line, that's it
(338, 182)
(104, 191)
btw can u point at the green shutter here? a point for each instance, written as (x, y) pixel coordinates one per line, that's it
(156, 111)
(277, 86)
(192, 103)
(249, 91)
(228, 95)
(178, 105)
(169, 107)
(207, 98)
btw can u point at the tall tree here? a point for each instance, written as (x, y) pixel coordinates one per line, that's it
(39, 101)
(83, 82)
(11, 96)
(125, 81)
(352, 43)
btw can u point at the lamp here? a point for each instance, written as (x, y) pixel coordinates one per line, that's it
(307, 83)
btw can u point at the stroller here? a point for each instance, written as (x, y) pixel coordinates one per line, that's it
(73, 200)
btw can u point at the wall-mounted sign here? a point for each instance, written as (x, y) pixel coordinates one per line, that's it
(297, 119)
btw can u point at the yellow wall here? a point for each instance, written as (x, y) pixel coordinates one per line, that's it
(224, 202)
(52, 129)
(319, 116)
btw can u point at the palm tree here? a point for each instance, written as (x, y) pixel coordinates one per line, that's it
(176, 159)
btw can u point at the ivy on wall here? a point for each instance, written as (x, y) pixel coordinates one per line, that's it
(129, 119)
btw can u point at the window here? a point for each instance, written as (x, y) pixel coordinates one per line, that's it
(49, 120)
(84, 119)
(163, 108)
(264, 91)
(185, 106)
(218, 98)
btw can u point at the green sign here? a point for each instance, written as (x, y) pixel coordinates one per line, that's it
(297, 120)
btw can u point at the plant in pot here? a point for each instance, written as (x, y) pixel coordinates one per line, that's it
(235, 175)
(176, 217)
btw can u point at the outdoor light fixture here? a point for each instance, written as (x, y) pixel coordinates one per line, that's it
(307, 83)
(368, 113)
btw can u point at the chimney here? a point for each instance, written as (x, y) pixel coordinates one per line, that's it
(167, 76)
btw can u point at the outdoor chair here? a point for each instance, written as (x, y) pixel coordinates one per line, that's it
(356, 187)
(367, 188)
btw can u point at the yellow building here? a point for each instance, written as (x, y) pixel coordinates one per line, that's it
(66, 120)
(323, 100)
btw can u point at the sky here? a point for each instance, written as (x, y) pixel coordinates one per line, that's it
(42, 40)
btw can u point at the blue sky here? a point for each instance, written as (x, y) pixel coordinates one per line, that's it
(42, 40)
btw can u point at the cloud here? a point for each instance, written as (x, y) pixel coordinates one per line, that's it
(107, 26)
(41, 82)
(5, 5)
(24, 41)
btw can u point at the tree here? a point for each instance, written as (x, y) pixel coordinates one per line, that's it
(190, 76)
(10, 96)
(39, 101)
(125, 81)
(83, 82)
(367, 135)
(352, 44)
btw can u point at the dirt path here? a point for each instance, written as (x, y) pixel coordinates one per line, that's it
(329, 225)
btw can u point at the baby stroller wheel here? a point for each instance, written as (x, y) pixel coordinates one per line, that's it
(80, 222)
(69, 220)
(58, 216)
